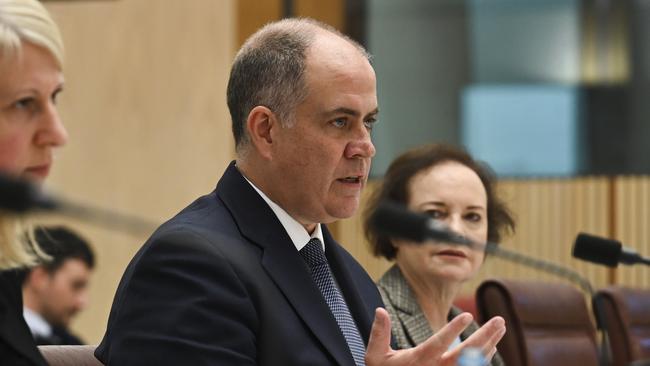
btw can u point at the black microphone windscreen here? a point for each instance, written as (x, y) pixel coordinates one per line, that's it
(597, 250)
(393, 220)
(16, 195)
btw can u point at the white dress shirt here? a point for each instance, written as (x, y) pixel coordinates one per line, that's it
(298, 234)
(37, 325)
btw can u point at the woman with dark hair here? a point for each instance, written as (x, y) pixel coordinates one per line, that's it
(450, 186)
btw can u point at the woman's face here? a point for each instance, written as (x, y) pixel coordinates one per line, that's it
(454, 195)
(30, 127)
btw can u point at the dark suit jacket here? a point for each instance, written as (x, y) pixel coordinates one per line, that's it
(17, 347)
(60, 337)
(222, 284)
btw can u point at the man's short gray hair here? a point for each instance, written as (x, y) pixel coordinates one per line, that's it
(269, 71)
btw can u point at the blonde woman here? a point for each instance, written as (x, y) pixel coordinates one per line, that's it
(31, 56)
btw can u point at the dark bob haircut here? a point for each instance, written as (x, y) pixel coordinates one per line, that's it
(395, 188)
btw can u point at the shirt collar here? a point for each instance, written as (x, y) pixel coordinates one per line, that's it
(37, 325)
(298, 234)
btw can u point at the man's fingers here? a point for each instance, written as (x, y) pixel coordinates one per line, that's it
(492, 342)
(489, 355)
(438, 343)
(484, 339)
(379, 342)
(490, 348)
(487, 337)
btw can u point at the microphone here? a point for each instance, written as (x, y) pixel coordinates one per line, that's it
(604, 251)
(392, 219)
(20, 197)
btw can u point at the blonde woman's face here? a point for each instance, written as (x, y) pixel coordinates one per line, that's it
(30, 128)
(454, 195)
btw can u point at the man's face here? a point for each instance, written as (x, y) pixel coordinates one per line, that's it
(323, 159)
(65, 292)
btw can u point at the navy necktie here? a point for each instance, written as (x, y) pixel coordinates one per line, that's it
(315, 258)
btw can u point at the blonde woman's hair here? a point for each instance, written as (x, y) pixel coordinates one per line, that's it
(23, 21)
(17, 245)
(27, 21)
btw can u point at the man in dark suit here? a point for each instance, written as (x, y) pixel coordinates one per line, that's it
(239, 276)
(57, 290)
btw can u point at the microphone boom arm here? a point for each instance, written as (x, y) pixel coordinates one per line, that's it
(540, 264)
(103, 217)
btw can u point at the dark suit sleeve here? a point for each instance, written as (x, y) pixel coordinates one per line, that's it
(182, 304)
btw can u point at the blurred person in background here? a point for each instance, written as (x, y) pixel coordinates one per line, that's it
(57, 289)
(419, 289)
(31, 77)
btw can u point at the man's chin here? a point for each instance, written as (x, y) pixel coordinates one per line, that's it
(343, 212)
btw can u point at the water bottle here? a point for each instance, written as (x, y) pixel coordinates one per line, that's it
(472, 357)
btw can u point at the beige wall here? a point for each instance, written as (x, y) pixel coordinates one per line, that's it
(144, 104)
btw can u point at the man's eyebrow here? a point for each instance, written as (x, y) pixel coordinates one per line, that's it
(374, 112)
(349, 111)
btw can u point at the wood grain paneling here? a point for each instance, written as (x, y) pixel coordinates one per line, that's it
(145, 109)
(253, 14)
(633, 221)
(331, 12)
(549, 214)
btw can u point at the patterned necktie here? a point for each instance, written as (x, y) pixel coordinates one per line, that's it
(314, 256)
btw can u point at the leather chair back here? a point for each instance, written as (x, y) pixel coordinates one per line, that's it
(627, 315)
(546, 323)
(70, 355)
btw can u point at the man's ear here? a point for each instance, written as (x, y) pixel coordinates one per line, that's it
(38, 277)
(261, 121)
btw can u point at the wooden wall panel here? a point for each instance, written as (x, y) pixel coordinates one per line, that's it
(549, 214)
(633, 221)
(145, 108)
(253, 14)
(331, 12)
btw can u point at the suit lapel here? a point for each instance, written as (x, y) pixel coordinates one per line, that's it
(283, 263)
